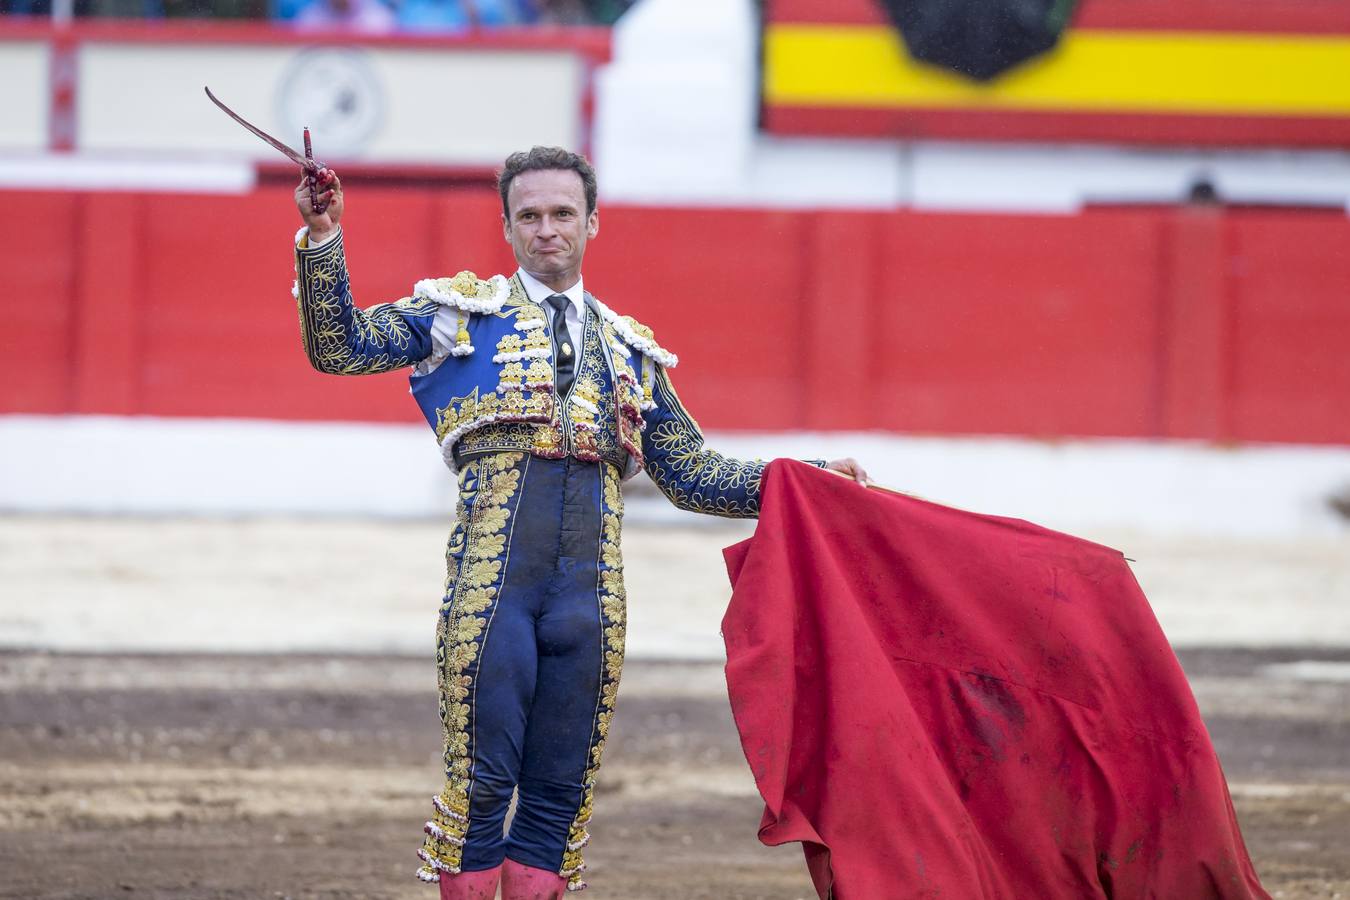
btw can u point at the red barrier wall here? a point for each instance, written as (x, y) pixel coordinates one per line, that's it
(1223, 325)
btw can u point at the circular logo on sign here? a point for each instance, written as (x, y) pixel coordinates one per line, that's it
(336, 93)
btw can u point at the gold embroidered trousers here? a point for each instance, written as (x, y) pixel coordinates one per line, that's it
(531, 642)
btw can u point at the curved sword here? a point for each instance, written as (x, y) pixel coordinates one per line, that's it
(307, 162)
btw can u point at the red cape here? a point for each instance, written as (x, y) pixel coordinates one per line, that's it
(944, 704)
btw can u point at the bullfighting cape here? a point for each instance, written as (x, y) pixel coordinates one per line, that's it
(943, 704)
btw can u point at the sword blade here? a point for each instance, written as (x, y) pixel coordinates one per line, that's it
(309, 165)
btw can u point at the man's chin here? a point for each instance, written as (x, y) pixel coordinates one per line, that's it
(551, 264)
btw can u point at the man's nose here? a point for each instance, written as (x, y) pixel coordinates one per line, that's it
(546, 227)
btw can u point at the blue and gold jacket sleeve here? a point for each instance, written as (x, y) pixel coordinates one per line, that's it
(341, 339)
(688, 473)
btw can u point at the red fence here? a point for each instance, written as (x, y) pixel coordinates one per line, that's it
(1225, 325)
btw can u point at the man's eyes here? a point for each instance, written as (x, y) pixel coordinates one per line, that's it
(561, 214)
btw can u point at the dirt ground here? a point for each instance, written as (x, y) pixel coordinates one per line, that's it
(218, 708)
(213, 776)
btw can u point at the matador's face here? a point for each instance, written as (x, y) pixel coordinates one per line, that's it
(548, 225)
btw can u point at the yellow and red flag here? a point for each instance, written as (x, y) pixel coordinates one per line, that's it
(1257, 73)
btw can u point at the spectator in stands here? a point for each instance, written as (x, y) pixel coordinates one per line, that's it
(149, 9)
(26, 7)
(365, 16)
(370, 16)
(565, 12)
(603, 12)
(456, 15)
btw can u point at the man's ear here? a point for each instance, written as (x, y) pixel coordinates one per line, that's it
(593, 224)
(506, 228)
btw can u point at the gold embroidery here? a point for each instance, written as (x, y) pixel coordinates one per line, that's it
(511, 404)
(693, 477)
(590, 407)
(628, 414)
(339, 338)
(535, 339)
(640, 329)
(468, 284)
(462, 345)
(613, 606)
(604, 423)
(512, 377)
(544, 440)
(477, 545)
(539, 374)
(582, 410)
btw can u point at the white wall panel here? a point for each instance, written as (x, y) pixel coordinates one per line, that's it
(476, 107)
(442, 107)
(24, 96)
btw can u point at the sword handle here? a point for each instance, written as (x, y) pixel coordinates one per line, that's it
(311, 172)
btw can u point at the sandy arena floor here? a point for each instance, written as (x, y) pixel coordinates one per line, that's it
(303, 768)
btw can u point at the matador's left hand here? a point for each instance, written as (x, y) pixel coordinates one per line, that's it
(849, 466)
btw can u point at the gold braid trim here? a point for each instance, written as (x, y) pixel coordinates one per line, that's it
(614, 609)
(373, 340)
(479, 539)
(692, 476)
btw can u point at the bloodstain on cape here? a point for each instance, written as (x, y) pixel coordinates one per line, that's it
(943, 704)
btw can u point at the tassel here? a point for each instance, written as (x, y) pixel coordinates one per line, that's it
(462, 345)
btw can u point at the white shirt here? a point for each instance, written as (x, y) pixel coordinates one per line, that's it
(576, 312)
(368, 16)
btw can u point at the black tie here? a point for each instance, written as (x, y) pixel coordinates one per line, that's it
(564, 354)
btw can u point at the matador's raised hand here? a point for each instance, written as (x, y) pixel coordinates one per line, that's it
(323, 224)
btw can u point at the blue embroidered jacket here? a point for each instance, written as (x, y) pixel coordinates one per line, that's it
(492, 389)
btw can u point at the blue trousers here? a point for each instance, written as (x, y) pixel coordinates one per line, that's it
(530, 649)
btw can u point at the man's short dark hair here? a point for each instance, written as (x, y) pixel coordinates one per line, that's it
(537, 158)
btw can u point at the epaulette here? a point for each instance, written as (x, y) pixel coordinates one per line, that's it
(638, 336)
(466, 292)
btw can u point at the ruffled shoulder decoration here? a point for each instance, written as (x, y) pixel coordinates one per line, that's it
(638, 336)
(466, 294)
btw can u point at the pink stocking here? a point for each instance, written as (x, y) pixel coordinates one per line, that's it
(471, 885)
(521, 882)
